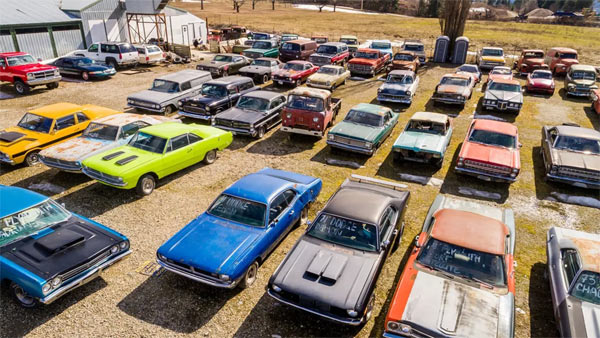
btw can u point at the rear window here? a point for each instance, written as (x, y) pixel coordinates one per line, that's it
(127, 48)
(291, 46)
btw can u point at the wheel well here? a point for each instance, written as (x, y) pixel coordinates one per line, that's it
(108, 59)
(16, 78)
(150, 173)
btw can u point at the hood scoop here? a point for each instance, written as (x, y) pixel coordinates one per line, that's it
(59, 241)
(326, 267)
(126, 160)
(10, 136)
(113, 155)
(453, 301)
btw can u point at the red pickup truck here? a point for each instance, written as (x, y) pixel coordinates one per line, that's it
(309, 111)
(368, 61)
(24, 72)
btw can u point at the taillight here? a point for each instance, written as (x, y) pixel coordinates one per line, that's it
(164, 55)
(120, 56)
(147, 58)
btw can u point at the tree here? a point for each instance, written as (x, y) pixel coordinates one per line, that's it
(321, 4)
(273, 4)
(334, 4)
(432, 9)
(237, 4)
(453, 17)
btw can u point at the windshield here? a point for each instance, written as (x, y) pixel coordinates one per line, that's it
(148, 142)
(35, 123)
(165, 86)
(260, 36)
(319, 40)
(261, 63)
(262, 45)
(587, 287)
(154, 49)
(468, 69)
(293, 66)
(492, 138)
(583, 75)
(541, 75)
(492, 52)
(361, 117)
(291, 46)
(426, 127)
(20, 60)
(222, 58)
(328, 70)
(101, 131)
(365, 55)
(84, 62)
(537, 55)
(324, 49)
(568, 56)
(213, 90)
(239, 210)
(502, 71)
(403, 57)
(454, 81)
(579, 144)
(345, 232)
(381, 45)
(505, 87)
(29, 221)
(305, 103)
(253, 103)
(463, 262)
(349, 41)
(414, 48)
(404, 79)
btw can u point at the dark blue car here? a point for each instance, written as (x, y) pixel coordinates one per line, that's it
(225, 245)
(85, 68)
(46, 251)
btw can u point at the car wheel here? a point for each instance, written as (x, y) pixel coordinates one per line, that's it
(22, 297)
(113, 63)
(168, 110)
(33, 158)
(260, 132)
(225, 73)
(210, 157)
(265, 78)
(85, 76)
(250, 276)
(21, 87)
(146, 185)
(52, 85)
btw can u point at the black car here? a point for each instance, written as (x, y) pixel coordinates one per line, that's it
(216, 96)
(85, 68)
(255, 113)
(333, 269)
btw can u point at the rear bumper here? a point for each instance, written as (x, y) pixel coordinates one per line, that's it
(405, 100)
(347, 147)
(577, 182)
(302, 131)
(485, 176)
(39, 82)
(198, 278)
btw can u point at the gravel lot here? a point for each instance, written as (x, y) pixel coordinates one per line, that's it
(125, 302)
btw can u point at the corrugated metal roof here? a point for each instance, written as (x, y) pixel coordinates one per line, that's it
(19, 12)
(76, 5)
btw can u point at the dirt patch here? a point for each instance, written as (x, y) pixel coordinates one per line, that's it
(550, 113)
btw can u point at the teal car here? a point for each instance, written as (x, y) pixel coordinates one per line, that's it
(364, 129)
(425, 139)
(262, 48)
(155, 152)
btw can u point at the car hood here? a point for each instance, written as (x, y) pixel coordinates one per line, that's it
(326, 273)
(241, 115)
(576, 160)
(403, 63)
(152, 96)
(534, 61)
(323, 55)
(504, 96)
(255, 69)
(202, 99)
(363, 61)
(584, 82)
(568, 62)
(495, 77)
(450, 89)
(448, 308)
(31, 68)
(93, 68)
(287, 72)
(215, 64)
(11, 135)
(541, 82)
(488, 154)
(357, 131)
(394, 88)
(420, 141)
(128, 158)
(76, 149)
(210, 244)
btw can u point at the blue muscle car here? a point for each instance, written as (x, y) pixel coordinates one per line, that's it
(46, 251)
(225, 245)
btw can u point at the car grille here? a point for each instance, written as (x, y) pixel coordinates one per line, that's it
(493, 63)
(416, 155)
(232, 124)
(190, 268)
(100, 176)
(448, 96)
(488, 168)
(253, 55)
(359, 68)
(61, 163)
(85, 266)
(349, 141)
(281, 78)
(585, 174)
(142, 103)
(191, 108)
(320, 60)
(43, 74)
(394, 97)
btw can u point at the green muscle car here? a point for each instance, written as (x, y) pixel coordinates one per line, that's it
(424, 139)
(155, 152)
(262, 48)
(364, 129)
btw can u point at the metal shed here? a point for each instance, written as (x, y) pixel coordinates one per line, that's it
(102, 20)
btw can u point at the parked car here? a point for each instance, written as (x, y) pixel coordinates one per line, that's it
(319, 39)
(262, 48)
(149, 54)
(352, 42)
(400, 86)
(266, 36)
(574, 276)
(294, 73)
(499, 73)
(471, 70)
(332, 270)
(560, 59)
(288, 37)
(571, 155)
(504, 95)
(24, 72)
(82, 67)
(454, 89)
(48, 251)
(417, 47)
(529, 61)
(540, 81)
(596, 101)
(368, 62)
(40, 128)
(255, 113)
(405, 60)
(100, 135)
(490, 151)
(224, 64)
(297, 50)
(364, 129)
(167, 90)
(215, 97)
(328, 77)
(384, 46)
(155, 152)
(580, 80)
(261, 70)
(490, 57)
(331, 53)
(225, 246)
(309, 111)
(424, 139)
(459, 280)
(114, 54)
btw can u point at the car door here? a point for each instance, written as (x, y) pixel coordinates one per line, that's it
(66, 127)
(177, 156)
(94, 52)
(69, 67)
(283, 212)
(273, 116)
(200, 147)
(388, 231)
(549, 135)
(568, 271)
(233, 96)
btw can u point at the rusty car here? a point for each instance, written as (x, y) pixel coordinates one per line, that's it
(309, 111)
(503, 95)
(580, 80)
(530, 60)
(454, 89)
(560, 59)
(405, 60)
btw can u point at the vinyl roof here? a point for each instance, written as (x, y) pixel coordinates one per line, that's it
(358, 204)
(433, 117)
(19, 12)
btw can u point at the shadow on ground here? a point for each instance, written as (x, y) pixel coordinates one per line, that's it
(540, 303)
(281, 143)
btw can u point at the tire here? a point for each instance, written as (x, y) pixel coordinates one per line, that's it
(21, 87)
(265, 78)
(210, 157)
(22, 297)
(260, 133)
(146, 185)
(85, 76)
(32, 158)
(168, 110)
(112, 63)
(250, 276)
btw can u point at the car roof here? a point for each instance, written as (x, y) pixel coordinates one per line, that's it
(469, 65)
(501, 68)
(15, 199)
(300, 42)
(267, 59)
(311, 92)
(332, 67)
(226, 80)
(371, 108)
(586, 244)
(470, 230)
(578, 132)
(497, 126)
(413, 43)
(358, 204)
(507, 81)
(368, 50)
(564, 50)
(299, 62)
(333, 43)
(433, 117)
(462, 76)
(402, 72)
(259, 186)
(410, 52)
(263, 94)
(496, 48)
(542, 71)
(586, 68)
(183, 75)
(126, 118)
(532, 51)
(348, 37)
(168, 129)
(57, 109)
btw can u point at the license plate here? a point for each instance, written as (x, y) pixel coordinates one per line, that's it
(484, 178)
(280, 82)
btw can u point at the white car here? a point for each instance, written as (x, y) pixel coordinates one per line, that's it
(149, 54)
(114, 54)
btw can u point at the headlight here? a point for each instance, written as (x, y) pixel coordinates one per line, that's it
(328, 83)
(213, 122)
(162, 258)
(368, 145)
(330, 136)
(315, 119)
(436, 155)
(393, 326)
(56, 72)
(288, 115)
(124, 245)
(224, 278)
(180, 103)
(571, 85)
(460, 162)
(352, 313)
(114, 249)
(378, 90)
(515, 170)
(46, 288)
(405, 329)
(408, 93)
(129, 101)
(30, 76)
(554, 169)
(55, 282)
(276, 288)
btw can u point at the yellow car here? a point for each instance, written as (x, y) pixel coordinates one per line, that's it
(328, 77)
(46, 126)
(490, 57)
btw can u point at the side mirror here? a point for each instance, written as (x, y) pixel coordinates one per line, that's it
(417, 242)
(385, 244)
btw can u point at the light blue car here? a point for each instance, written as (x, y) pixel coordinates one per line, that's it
(385, 46)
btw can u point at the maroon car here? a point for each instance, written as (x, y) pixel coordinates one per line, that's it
(294, 73)
(540, 81)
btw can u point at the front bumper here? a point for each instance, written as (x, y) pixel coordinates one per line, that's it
(196, 116)
(501, 107)
(395, 99)
(238, 131)
(535, 89)
(582, 93)
(490, 66)
(485, 176)
(577, 182)
(69, 166)
(448, 100)
(102, 179)
(199, 278)
(348, 147)
(303, 131)
(417, 156)
(103, 74)
(156, 110)
(83, 279)
(319, 85)
(361, 71)
(282, 81)
(46, 80)
(7, 160)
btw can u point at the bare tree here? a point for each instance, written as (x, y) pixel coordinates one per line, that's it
(334, 4)
(254, 4)
(453, 17)
(321, 4)
(273, 4)
(237, 4)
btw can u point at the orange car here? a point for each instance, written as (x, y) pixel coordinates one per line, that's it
(459, 279)
(500, 73)
(46, 126)
(596, 100)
